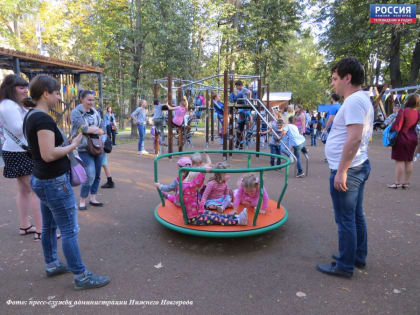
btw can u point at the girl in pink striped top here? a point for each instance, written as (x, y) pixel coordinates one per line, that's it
(216, 195)
(248, 192)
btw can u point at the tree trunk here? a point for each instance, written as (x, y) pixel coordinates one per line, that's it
(366, 66)
(394, 63)
(137, 56)
(415, 63)
(377, 71)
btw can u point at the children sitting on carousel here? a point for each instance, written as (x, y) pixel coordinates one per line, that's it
(194, 207)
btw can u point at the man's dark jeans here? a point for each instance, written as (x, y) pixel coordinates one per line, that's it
(348, 210)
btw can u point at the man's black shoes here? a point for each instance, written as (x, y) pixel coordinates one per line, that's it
(333, 270)
(357, 264)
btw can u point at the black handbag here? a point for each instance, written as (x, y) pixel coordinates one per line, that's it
(108, 145)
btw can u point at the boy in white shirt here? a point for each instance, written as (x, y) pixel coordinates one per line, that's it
(295, 141)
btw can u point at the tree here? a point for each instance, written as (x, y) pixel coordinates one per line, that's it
(348, 32)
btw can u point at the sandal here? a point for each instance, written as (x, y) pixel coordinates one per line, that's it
(37, 236)
(405, 186)
(27, 230)
(395, 186)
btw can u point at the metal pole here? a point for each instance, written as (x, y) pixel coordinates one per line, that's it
(207, 118)
(258, 120)
(101, 97)
(225, 112)
(17, 66)
(231, 120)
(180, 131)
(170, 134)
(157, 132)
(268, 102)
(211, 118)
(201, 80)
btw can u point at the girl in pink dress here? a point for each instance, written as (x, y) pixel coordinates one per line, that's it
(216, 195)
(248, 193)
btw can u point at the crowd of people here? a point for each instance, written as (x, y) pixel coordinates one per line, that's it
(36, 153)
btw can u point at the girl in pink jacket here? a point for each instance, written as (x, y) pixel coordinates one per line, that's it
(216, 196)
(248, 192)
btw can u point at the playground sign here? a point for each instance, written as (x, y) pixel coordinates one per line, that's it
(393, 13)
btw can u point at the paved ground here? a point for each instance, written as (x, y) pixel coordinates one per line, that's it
(269, 274)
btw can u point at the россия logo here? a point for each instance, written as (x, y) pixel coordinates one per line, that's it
(393, 13)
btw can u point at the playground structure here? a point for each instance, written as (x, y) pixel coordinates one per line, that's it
(263, 111)
(66, 73)
(176, 218)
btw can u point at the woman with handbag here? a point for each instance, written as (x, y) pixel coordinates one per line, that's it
(17, 160)
(111, 124)
(51, 182)
(406, 142)
(85, 118)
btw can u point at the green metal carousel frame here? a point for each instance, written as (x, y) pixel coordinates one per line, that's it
(228, 234)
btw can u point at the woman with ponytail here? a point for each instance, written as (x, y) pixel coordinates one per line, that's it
(51, 182)
(18, 163)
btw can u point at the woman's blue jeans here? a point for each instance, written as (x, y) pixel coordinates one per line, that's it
(58, 208)
(142, 135)
(348, 210)
(93, 172)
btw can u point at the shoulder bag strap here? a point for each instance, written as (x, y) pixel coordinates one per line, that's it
(25, 120)
(70, 155)
(15, 139)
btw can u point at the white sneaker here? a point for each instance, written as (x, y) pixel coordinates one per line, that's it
(144, 152)
(139, 152)
(243, 217)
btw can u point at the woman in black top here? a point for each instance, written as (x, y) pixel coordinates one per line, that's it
(51, 182)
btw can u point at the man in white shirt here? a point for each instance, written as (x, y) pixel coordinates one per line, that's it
(346, 151)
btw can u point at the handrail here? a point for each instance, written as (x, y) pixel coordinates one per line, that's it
(265, 108)
(261, 170)
(275, 133)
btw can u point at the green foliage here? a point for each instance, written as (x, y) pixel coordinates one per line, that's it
(348, 32)
(303, 72)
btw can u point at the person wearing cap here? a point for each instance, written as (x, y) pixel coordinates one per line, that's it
(174, 185)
